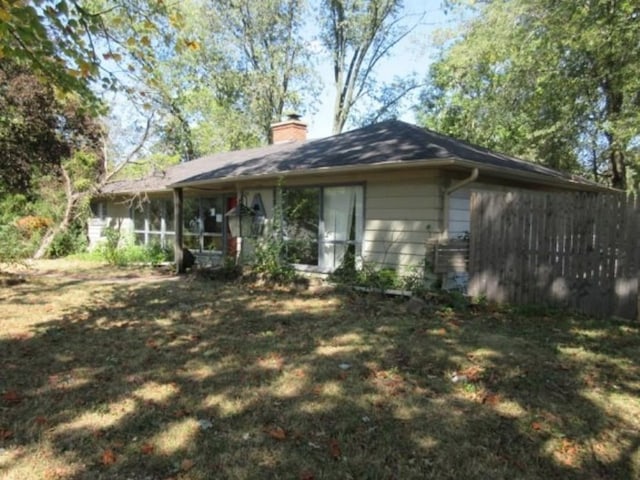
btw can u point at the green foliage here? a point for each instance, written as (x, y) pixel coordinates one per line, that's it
(269, 260)
(550, 81)
(376, 278)
(244, 65)
(39, 128)
(371, 276)
(12, 206)
(270, 255)
(117, 250)
(69, 241)
(414, 281)
(14, 246)
(74, 45)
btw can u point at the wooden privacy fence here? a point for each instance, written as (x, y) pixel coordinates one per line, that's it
(574, 250)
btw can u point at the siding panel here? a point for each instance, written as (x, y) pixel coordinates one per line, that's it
(400, 218)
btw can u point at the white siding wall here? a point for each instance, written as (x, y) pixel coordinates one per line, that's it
(117, 214)
(460, 207)
(459, 213)
(460, 225)
(400, 217)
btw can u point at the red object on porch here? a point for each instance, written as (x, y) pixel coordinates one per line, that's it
(232, 242)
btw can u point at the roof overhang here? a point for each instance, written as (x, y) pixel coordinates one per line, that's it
(533, 177)
(318, 171)
(496, 171)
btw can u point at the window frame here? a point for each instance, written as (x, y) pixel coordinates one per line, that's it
(358, 244)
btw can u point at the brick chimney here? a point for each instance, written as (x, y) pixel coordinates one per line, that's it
(291, 129)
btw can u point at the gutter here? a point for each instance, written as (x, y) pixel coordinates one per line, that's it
(447, 196)
(318, 170)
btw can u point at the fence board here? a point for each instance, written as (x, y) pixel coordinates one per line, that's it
(574, 250)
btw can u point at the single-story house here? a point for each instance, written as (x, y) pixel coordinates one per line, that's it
(387, 191)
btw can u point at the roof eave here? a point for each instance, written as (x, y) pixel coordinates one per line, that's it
(538, 178)
(321, 170)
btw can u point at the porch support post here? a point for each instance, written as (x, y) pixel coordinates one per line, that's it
(177, 227)
(239, 237)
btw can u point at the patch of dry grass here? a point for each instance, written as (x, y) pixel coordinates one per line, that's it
(128, 374)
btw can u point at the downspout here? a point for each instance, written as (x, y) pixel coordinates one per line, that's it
(446, 200)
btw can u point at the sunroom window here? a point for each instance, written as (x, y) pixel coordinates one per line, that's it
(204, 224)
(153, 222)
(301, 214)
(322, 226)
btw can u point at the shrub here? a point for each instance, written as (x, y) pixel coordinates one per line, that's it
(117, 250)
(14, 246)
(269, 260)
(68, 242)
(377, 278)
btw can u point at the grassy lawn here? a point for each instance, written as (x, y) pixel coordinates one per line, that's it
(133, 374)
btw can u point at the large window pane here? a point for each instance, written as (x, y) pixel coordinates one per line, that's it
(192, 220)
(155, 215)
(301, 215)
(212, 243)
(139, 238)
(168, 241)
(342, 227)
(139, 215)
(169, 218)
(212, 214)
(192, 242)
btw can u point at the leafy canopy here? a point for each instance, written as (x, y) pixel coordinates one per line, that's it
(553, 81)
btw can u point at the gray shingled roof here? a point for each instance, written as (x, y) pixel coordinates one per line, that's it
(387, 143)
(161, 180)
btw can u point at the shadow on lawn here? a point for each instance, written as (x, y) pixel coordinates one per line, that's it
(203, 380)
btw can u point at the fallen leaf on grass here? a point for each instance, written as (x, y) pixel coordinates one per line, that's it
(5, 434)
(277, 433)
(151, 343)
(334, 448)
(567, 453)
(536, 426)
(11, 397)
(307, 475)
(108, 457)
(187, 464)
(147, 449)
(491, 399)
(41, 420)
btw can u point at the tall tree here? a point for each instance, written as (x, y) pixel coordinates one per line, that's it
(555, 81)
(358, 34)
(225, 71)
(67, 42)
(266, 44)
(39, 128)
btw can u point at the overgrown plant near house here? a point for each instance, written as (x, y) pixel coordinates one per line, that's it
(270, 257)
(116, 250)
(374, 277)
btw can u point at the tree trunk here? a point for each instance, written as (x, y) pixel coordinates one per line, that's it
(48, 238)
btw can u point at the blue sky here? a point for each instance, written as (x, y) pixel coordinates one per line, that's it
(414, 54)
